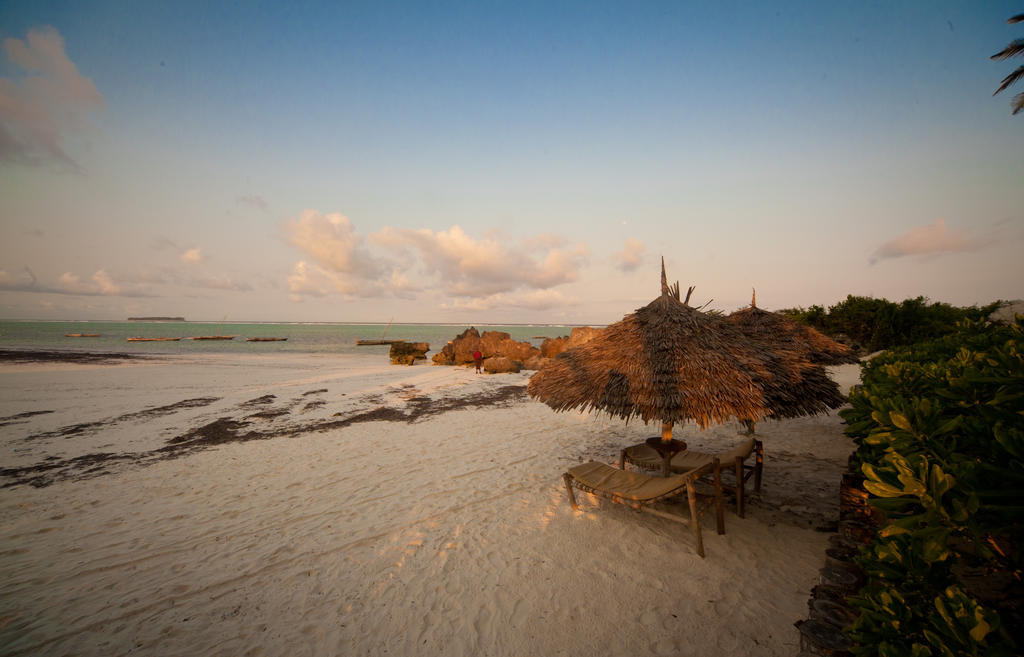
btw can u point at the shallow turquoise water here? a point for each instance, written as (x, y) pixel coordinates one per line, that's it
(302, 338)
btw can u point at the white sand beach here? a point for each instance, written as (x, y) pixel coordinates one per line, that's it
(311, 505)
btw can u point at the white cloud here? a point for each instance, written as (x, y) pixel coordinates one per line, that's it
(307, 280)
(69, 281)
(101, 284)
(923, 240)
(403, 262)
(631, 256)
(486, 266)
(38, 110)
(105, 283)
(332, 243)
(192, 256)
(530, 300)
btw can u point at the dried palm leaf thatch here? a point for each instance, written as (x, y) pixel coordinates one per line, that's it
(797, 387)
(784, 334)
(667, 362)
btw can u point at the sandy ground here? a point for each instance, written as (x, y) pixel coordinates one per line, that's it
(306, 505)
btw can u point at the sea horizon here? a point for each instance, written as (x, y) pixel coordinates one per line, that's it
(165, 337)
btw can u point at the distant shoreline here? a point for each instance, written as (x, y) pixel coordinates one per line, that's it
(247, 321)
(156, 319)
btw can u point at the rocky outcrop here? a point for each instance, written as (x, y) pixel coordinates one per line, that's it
(580, 334)
(551, 347)
(536, 362)
(407, 353)
(460, 350)
(500, 365)
(491, 344)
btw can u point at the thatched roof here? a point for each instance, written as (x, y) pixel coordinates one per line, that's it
(798, 387)
(665, 362)
(783, 332)
(670, 362)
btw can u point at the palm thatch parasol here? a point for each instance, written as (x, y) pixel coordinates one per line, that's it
(670, 362)
(798, 387)
(788, 334)
(666, 361)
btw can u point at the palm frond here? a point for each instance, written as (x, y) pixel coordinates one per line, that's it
(1019, 18)
(1010, 79)
(1015, 48)
(1018, 103)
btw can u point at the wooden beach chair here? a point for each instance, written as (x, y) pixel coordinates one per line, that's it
(640, 491)
(734, 461)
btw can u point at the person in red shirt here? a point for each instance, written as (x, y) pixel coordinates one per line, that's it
(478, 359)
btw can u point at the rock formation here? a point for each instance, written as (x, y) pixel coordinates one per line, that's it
(407, 353)
(500, 365)
(491, 344)
(551, 347)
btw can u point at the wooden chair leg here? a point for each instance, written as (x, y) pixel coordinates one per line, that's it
(568, 488)
(719, 510)
(758, 464)
(739, 486)
(695, 518)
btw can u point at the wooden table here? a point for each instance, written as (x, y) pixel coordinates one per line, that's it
(666, 450)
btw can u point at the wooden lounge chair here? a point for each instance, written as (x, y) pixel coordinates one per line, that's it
(734, 461)
(641, 491)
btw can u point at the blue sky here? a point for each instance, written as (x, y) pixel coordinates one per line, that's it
(501, 162)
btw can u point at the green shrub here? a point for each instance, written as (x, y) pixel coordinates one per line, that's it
(939, 429)
(876, 324)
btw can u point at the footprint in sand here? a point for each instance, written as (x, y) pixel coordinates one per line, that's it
(520, 614)
(650, 618)
(665, 647)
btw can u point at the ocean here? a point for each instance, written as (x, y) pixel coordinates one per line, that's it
(301, 337)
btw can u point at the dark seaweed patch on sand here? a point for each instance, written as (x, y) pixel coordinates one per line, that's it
(70, 430)
(230, 430)
(269, 414)
(19, 418)
(314, 392)
(145, 414)
(259, 401)
(218, 432)
(54, 469)
(157, 411)
(38, 356)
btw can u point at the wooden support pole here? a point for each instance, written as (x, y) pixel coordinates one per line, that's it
(739, 486)
(568, 488)
(719, 511)
(759, 464)
(691, 495)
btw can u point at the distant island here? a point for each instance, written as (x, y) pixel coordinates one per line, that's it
(156, 319)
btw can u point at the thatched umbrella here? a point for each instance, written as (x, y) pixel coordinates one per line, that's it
(670, 362)
(808, 390)
(792, 335)
(666, 361)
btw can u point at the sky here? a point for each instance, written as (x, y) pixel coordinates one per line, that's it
(502, 162)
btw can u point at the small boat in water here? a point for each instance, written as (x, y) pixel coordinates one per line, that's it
(137, 339)
(214, 337)
(265, 339)
(81, 335)
(363, 343)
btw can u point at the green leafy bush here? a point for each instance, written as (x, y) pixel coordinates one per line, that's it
(940, 434)
(881, 324)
